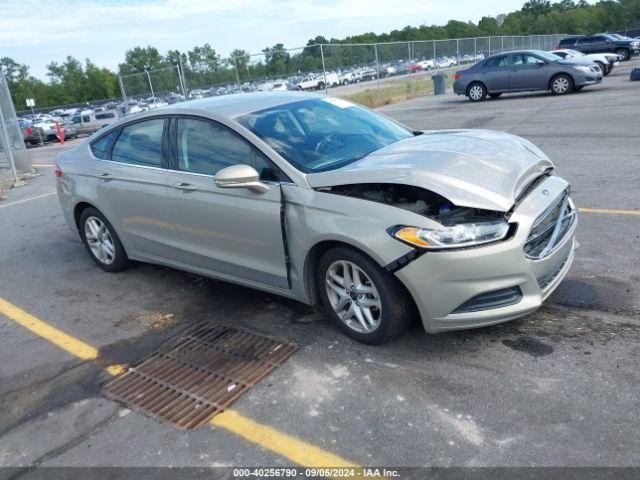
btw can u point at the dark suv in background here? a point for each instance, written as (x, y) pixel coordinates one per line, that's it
(602, 43)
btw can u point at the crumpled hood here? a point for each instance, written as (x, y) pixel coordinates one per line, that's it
(481, 169)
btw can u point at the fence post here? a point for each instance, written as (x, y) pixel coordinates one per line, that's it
(375, 49)
(410, 84)
(235, 63)
(502, 44)
(151, 87)
(475, 46)
(4, 143)
(183, 78)
(489, 45)
(434, 52)
(324, 72)
(457, 50)
(124, 93)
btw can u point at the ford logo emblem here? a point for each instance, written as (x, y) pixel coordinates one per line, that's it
(546, 192)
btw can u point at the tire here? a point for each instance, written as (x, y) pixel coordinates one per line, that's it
(388, 313)
(477, 92)
(495, 95)
(624, 53)
(97, 233)
(603, 68)
(561, 84)
(320, 85)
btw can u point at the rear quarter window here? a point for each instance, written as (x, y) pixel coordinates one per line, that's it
(100, 148)
(102, 116)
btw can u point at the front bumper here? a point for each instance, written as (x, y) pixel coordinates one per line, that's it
(440, 282)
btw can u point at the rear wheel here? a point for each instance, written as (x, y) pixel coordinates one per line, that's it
(561, 84)
(624, 54)
(101, 241)
(320, 85)
(476, 92)
(364, 300)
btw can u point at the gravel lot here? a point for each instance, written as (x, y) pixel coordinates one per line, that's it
(557, 388)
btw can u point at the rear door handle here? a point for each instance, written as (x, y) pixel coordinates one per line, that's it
(185, 187)
(105, 176)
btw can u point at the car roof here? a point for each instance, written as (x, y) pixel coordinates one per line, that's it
(233, 105)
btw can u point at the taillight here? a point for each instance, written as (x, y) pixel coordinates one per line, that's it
(457, 76)
(28, 130)
(57, 172)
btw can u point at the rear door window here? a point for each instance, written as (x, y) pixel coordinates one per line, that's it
(497, 62)
(140, 144)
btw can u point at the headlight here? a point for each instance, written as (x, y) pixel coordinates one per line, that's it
(455, 236)
(582, 68)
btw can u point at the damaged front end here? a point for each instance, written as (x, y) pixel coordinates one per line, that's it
(457, 226)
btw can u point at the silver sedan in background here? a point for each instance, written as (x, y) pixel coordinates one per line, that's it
(320, 200)
(522, 71)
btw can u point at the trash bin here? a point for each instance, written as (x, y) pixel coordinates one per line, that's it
(439, 83)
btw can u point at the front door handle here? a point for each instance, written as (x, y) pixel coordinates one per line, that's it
(105, 176)
(185, 187)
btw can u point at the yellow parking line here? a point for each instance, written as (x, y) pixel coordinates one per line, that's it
(289, 447)
(608, 211)
(269, 438)
(72, 345)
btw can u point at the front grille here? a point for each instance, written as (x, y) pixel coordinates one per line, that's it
(488, 300)
(545, 280)
(550, 228)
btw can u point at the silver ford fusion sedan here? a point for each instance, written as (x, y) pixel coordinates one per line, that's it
(317, 199)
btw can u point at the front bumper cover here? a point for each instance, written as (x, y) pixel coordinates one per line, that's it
(442, 281)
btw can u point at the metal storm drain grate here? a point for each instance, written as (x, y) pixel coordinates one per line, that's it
(198, 374)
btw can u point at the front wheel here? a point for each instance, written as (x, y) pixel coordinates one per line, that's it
(561, 84)
(364, 300)
(476, 92)
(101, 241)
(624, 54)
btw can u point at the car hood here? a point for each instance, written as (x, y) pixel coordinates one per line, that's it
(481, 169)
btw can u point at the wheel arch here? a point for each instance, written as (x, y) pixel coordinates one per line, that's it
(311, 268)
(79, 208)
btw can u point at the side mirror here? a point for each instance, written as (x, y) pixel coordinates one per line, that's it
(540, 63)
(240, 176)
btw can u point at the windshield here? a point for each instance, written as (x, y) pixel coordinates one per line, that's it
(322, 134)
(550, 57)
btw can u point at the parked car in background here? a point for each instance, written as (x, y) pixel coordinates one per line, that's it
(603, 43)
(606, 61)
(522, 71)
(320, 200)
(88, 121)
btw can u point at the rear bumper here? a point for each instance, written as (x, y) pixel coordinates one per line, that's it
(440, 282)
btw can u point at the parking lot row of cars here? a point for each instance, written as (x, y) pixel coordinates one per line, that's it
(575, 63)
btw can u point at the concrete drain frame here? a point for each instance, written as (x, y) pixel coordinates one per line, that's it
(198, 374)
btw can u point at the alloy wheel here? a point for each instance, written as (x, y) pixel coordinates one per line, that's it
(476, 92)
(353, 296)
(99, 240)
(560, 85)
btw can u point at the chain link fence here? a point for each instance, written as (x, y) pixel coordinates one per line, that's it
(14, 159)
(371, 74)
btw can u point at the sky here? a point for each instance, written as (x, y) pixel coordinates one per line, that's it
(37, 32)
